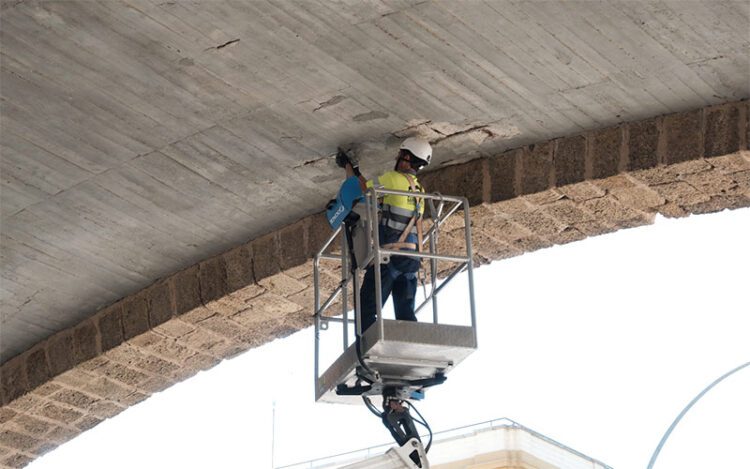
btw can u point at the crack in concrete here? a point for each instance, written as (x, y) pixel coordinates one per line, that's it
(311, 162)
(401, 132)
(221, 46)
(29, 299)
(483, 127)
(228, 43)
(333, 101)
(707, 59)
(383, 15)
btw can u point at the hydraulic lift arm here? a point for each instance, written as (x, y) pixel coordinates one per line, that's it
(397, 418)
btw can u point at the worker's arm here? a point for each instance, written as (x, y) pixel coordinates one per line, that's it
(354, 171)
(349, 170)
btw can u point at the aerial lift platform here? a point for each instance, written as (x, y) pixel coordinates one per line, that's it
(397, 360)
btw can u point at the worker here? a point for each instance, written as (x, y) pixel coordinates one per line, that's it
(400, 228)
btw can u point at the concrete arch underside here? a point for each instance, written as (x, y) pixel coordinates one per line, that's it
(537, 196)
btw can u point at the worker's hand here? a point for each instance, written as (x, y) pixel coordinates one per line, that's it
(346, 156)
(342, 159)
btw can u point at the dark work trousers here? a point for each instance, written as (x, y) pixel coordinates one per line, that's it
(398, 277)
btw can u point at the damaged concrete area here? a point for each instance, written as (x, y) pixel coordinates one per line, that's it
(464, 141)
(523, 199)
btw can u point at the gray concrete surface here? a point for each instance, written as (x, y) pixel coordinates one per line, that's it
(527, 198)
(140, 137)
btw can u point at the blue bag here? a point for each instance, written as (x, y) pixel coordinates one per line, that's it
(349, 193)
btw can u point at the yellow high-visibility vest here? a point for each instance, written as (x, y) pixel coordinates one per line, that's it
(398, 209)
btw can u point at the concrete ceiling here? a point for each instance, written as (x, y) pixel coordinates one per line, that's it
(140, 137)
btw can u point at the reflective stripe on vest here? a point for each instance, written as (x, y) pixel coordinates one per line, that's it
(397, 218)
(391, 222)
(398, 210)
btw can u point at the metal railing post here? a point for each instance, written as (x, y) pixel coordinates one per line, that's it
(376, 261)
(433, 276)
(316, 286)
(470, 269)
(345, 286)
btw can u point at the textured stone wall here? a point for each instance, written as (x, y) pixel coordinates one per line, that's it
(525, 199)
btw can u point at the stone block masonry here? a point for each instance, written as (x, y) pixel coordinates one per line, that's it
(524, 199)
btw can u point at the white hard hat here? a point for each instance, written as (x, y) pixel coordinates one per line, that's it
(418, 147)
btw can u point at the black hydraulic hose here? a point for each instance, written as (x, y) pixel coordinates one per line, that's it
(373, 376)
(423, 422)
(371, 407)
